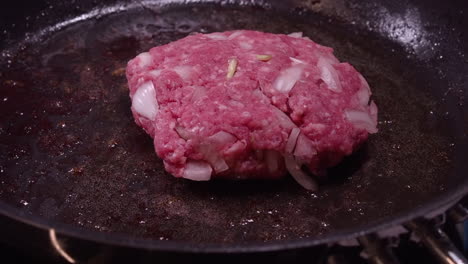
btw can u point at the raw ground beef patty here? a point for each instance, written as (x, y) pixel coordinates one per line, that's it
(247, 104)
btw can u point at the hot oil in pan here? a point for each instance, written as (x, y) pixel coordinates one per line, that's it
(70, 151)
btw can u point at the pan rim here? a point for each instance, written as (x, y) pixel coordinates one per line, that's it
(126, 241)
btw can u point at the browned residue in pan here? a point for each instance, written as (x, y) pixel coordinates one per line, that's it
(70, 151)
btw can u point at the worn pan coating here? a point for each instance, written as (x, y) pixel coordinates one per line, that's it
(71, 157)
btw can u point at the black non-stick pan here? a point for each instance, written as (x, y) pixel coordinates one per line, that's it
(73, 161)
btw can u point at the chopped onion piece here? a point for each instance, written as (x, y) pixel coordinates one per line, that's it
(144, 59)
(211, 150)
(183, 71)
(183, 133)
(197, 171)
(232, 68)
(222, 138)
(212, 156)
(144, 101)
(235, 148)
(219, 165)
(304, 150)
(292, 140)
(329, 75)
(300, 176)
(288, 78)
(361, 119)
(296, 35)
(264, 57)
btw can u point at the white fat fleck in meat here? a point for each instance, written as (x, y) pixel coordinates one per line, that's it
(329, 75)
(246, 114)
(222, 107)
(197, 171)
(199, 93)
(144, 101)
(144, 59)
(235, 35)
(287, 79)
(183, 71)
(217, 36)
(296, 35)
(155, 73)
(245, 45)
(296, 61)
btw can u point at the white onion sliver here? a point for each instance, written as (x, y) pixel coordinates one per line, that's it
(361, 119)
(363, 96)
(300, 176)
(365, 84)
(364, 92)
(296, 35)
(328, 57)
(304, 150)
(284, 119)
(144, 101)
(291, 143)
(197, 171)
(373, 112)
(329, 75)
(288, 78)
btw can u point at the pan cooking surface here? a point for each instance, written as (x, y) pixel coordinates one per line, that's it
(70, 151)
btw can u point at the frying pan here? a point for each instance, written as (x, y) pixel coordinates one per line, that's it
(73, 161)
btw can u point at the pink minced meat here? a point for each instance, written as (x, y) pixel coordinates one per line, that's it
(247, 104)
